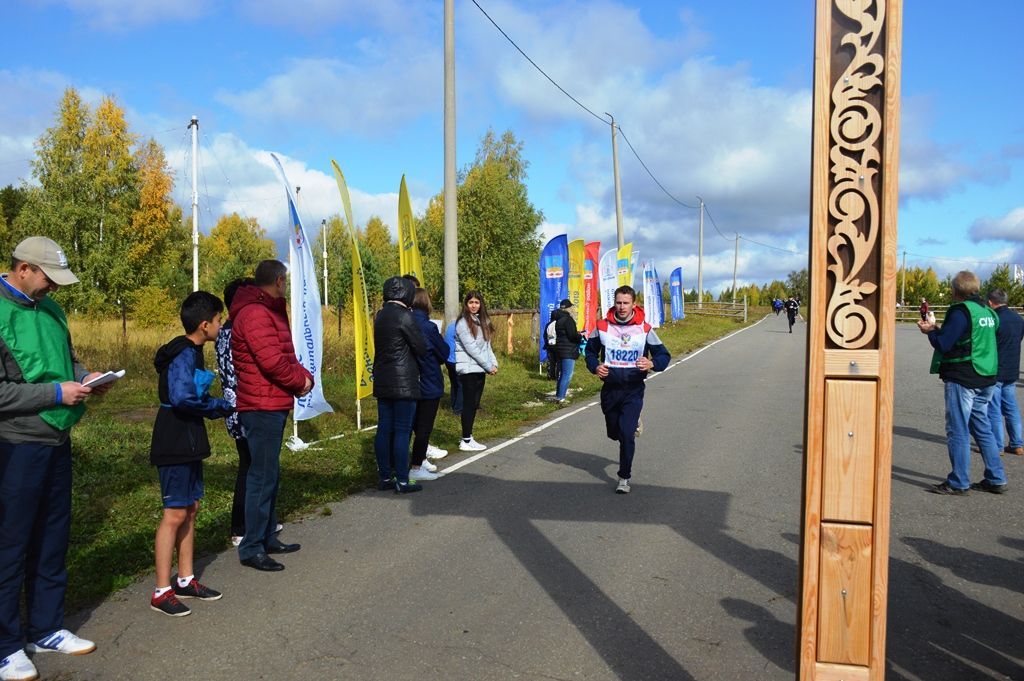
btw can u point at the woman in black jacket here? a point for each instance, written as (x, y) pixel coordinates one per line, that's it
(431, 385)
(396, 383)
(567, 346)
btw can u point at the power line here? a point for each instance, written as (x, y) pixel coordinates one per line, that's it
(667, 193)
(715, 225)
(628, 143)
(527, 57)
(776, 248)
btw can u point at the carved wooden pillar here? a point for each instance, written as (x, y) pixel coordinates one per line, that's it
(848, 440)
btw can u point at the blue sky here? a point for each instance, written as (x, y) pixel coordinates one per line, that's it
(714, 96)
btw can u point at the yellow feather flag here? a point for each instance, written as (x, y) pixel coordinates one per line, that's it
(360, 304)
(624, 265)
(408, 247)
(577, 254)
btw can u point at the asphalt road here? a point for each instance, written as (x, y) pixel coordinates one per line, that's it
(525, 565)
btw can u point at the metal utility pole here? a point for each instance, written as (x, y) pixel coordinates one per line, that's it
(618, 185)
(323, 234)
(735, 261)
(194, 125)
(903, 285)
(700, 259)
(451, 230)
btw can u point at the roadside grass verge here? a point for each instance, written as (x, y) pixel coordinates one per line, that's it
(116, 498)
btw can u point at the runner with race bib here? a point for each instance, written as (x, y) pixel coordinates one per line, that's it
(621, 352)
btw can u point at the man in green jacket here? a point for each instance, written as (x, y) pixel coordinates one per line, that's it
(966, 360)
(41, 398)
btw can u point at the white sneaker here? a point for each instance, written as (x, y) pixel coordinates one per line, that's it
(62, 641)
(426, 465)
(17, 667)
(471, 446)
(421, 474)
(436, 452)
(622, 487)
(236, 540)
(639, 428)
(278, 528)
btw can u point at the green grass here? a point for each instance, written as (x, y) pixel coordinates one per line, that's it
(116, 499)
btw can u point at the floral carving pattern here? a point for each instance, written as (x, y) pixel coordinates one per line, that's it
(856, 126)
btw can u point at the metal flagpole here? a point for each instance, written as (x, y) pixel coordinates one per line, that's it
(323, 231)
(194, 125)
(291, 293)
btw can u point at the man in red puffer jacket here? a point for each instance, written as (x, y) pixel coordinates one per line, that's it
(269, 378)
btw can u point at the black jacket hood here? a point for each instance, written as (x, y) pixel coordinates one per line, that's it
(402, 290)
(166, 354)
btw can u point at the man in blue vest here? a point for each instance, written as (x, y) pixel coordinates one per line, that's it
(1003, 408)
(966, 360)
(41, 398)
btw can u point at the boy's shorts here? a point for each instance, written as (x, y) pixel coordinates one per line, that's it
(181, 485)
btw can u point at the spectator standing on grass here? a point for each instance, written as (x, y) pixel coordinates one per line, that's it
(431, 390)
(567, 347)
(474, 360)
(229, 383)
(621, 351)
(270, 377)
(179, 446)
(41, 398)
(455, 386)
(398, 343)
(1003, 409)
(966, 359)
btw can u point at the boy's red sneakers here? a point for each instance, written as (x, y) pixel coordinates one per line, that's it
(196, 590)
(169, 604)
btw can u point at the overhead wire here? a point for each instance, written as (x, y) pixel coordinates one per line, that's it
(527, 57)
(621, 131)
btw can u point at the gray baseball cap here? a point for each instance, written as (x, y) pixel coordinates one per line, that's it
(48, 256)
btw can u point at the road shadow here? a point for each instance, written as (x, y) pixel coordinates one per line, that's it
(969, 565)
(914, 433)
(514, 509)
(936, 632)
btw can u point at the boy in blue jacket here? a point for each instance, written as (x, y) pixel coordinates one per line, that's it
(622, 349)
(179, 446)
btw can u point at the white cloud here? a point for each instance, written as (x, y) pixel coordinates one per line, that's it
(123, 15)
(239, 178)
(1009, 227)
(318, 16)
(369, 97)
(28, 106)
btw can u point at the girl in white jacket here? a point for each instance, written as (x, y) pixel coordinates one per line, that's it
(474, 359)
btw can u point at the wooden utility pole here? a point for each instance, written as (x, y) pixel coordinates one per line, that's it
(851, 335)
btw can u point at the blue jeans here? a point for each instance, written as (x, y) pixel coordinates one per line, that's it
(566, 367)
(1004, 406)
(35, 524)
(967, 415)
(264, 431)
(391, 444)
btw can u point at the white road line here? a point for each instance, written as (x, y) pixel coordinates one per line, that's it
(548, 424)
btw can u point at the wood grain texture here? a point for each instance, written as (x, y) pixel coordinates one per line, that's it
(849, 456)
(844, 617)
(863, 363)
(841, 672)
